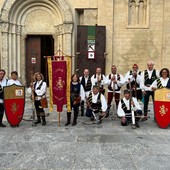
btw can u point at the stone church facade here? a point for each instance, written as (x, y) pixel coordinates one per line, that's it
(136, 30)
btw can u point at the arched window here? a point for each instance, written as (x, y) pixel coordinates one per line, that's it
(138, 13)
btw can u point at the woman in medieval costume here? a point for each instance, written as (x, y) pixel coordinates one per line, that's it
(77, 95)
(163, 81)
(39, 89)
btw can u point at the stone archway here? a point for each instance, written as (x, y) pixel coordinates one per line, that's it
(20, 18)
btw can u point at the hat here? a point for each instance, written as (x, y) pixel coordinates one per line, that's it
(135, 65)
(126, 91)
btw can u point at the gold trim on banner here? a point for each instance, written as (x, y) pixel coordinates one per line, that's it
(68, 61)
(50, 82)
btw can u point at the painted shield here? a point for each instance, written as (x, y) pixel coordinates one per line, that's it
(14, 103)
(162, 107)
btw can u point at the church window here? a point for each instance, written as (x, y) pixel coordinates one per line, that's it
(138, 13)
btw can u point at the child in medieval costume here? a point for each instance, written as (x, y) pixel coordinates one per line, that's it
(77, 95)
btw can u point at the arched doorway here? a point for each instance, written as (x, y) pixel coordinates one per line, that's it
(22, 19)
(38, 46)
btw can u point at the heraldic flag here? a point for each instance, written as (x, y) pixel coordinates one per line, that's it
(58, 76)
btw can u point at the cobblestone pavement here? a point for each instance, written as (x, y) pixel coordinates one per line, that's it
(106, 146)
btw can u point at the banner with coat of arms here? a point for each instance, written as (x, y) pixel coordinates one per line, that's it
(59, 78)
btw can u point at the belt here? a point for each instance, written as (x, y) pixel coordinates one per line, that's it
(38, 97)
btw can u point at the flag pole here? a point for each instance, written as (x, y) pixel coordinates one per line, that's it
(58, 119)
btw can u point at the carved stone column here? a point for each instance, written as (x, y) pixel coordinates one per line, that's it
(67, 38)
(141, 12)
(4, 56)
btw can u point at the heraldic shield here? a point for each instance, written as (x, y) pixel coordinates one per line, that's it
(14, 103)
(162, 107)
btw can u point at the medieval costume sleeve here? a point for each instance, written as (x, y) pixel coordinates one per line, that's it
(108, 81)
(93, 80)
(104, 103)
(159, 83)
(136, 103)
(16, 82)
(42, 90)
(82, 93)
(127, 76)
(142, 81)
(122, 81)
(120, 111)
(103, 82)
(154, 85)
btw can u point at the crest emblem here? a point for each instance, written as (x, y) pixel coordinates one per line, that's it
(162, 107)
(14, 103)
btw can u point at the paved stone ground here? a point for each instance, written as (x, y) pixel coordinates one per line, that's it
(96, 147)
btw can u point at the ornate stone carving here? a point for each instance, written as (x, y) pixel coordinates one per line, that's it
(4, 27)
(10, 24)
(19, 29)
(59, 29)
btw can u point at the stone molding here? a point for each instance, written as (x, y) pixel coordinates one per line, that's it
(12, 23)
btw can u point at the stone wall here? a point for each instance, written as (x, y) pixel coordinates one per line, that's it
(125, 44)
(137, 45)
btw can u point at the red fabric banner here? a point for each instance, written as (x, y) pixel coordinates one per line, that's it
(59, 80)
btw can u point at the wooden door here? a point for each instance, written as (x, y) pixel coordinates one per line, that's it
(33, 53)
(38, 46)
(83, 61)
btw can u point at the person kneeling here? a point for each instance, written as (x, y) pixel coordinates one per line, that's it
(96, 102)
(125, 110)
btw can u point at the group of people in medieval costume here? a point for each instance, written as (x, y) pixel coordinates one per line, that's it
(87, 93)
(37, 90)
(139, 86)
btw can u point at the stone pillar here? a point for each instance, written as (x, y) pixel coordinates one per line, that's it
(67, 41)
(141, 12)
(18, 40)
(58, 42)
(67, 38)
(4, 55)
(132, 11)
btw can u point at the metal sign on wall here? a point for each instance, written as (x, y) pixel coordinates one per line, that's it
(91, 46)
(91, 35)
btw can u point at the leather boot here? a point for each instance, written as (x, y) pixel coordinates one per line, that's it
(38, 119)
(1, 117)
(68, 118)
(82, 108)
(75, 119)
(137, 122)
(43, 121)
(107, 111)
